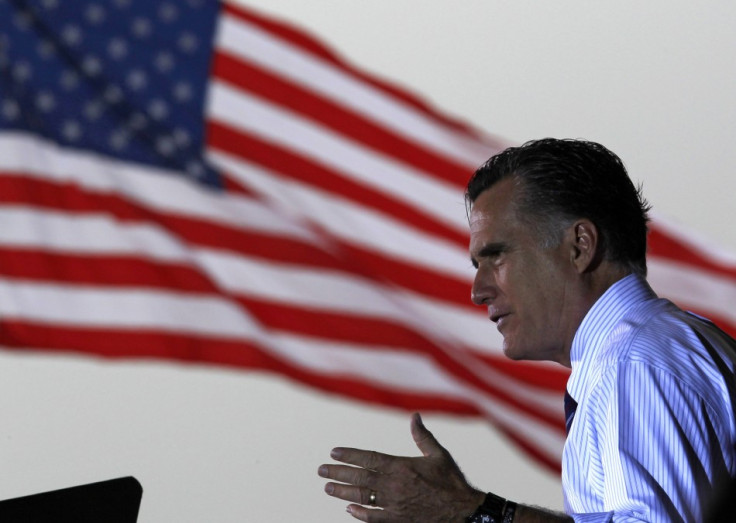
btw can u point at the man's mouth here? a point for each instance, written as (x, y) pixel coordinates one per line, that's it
(500, 321)
(496, 317)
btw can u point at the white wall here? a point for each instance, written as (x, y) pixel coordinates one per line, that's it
(652, 80)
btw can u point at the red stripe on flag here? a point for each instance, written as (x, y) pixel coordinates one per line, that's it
(405, 275)
(293, 166)
(548, 376)
(528, 444)
(18, 189)
(91, 269)
(725, 325)
(299, 39)
(117, 343)
(667, 246)
(252, 79)
(120, 271)
(369, 333)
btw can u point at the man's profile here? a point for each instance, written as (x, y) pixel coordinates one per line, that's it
(558, 241)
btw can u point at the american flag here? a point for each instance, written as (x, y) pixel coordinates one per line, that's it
(194, 181)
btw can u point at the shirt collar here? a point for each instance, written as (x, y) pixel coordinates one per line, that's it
(597, 324)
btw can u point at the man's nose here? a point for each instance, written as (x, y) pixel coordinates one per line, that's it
(484, 287)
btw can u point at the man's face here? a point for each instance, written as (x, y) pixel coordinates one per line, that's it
(528, 289)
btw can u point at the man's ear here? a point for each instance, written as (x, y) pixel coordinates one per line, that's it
(584, 253)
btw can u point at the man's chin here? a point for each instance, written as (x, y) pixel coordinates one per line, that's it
(513, 353)
(521, 354)
(517, 353)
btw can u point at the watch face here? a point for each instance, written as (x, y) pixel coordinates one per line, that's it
(491, 511)
(482, 518)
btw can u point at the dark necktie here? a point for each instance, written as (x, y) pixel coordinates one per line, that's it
(570, 406)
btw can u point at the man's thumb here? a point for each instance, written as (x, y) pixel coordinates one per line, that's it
(423, 438)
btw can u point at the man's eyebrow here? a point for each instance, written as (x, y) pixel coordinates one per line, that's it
(489, 251)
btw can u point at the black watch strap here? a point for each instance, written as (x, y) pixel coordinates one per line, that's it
(494, 509)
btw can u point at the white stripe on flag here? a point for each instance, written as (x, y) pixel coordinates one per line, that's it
(369, 167)
(352, 222)
(689, 287)
(291, 284)
(146, 186)
(258, 47)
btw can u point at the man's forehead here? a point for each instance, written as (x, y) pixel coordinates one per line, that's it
(493, 204)
(479, 220)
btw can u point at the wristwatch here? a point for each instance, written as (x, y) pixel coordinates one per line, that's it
(494, 509)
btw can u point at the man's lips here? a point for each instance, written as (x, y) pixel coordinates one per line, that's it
(497, 316)
(500, 321)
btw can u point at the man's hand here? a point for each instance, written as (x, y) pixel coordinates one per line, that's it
(429, 489)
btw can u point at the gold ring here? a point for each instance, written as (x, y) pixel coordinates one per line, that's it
(372, 498)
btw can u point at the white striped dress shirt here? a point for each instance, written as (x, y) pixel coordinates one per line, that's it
(654, 429)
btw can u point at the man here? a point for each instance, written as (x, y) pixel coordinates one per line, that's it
(558, 240)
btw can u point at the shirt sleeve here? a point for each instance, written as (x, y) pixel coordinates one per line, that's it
(662, 446)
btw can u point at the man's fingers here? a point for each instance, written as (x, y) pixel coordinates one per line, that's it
(351, 475)
(370, 515)
(368, 459)
(350, 493)
(423, 438)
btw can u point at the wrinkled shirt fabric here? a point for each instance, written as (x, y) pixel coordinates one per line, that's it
(653, 434)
